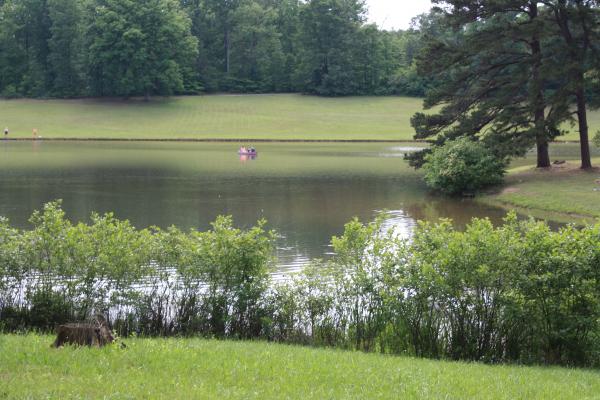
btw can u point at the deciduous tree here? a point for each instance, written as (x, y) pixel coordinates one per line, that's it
(66, 48)
(139, 47)
(327, 32)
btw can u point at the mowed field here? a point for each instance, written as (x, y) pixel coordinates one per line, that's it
(562, 193)
(273, 117)
(281, 116)
(200, 369)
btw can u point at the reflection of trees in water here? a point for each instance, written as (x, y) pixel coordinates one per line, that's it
(306, 211)
(461, 211)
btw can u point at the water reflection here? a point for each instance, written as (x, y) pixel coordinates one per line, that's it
(306, 192)
(399, 222)
(246, 157)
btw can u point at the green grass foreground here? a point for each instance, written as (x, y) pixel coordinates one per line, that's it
(200, 369)
(281, 116)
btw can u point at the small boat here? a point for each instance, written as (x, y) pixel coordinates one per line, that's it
(247, 151)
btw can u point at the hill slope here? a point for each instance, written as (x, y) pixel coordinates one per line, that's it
(287, 116)
(267, 116)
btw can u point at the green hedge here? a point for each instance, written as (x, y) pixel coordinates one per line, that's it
(520, 292)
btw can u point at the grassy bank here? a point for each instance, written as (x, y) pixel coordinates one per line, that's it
(192, 368)
(269, 117)
(562, 193)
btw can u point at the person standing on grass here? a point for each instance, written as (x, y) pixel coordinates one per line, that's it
(5, 133)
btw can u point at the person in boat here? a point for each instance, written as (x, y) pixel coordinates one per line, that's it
(243, 149)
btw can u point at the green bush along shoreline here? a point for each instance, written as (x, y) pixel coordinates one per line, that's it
(519, 292)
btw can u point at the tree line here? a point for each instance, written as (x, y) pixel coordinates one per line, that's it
(519, 292)
(72, 48)
(509, 74)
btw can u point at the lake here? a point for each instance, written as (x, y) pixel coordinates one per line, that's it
(307, 191)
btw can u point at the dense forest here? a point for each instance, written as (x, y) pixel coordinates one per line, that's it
(75, 48)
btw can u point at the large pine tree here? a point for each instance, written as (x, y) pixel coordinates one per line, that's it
(509, 70)
(489, 60)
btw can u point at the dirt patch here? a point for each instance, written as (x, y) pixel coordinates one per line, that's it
(509, 190)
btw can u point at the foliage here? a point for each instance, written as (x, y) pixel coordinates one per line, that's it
(507, 72)
(327, 31)
(258, 59)
(519, 292)
(487, 294)
(65, 45)
(72, 48)
(131, 48)
(462, 166)
(109, 265)
(576, 26)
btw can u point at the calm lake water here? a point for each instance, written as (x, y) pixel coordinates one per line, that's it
(307, 192)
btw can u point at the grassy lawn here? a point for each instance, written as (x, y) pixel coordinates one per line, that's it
(199, 369)
(562, 193)
(276, 116)
(284, 116)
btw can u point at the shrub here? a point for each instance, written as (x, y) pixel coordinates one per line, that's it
(462, 166)
(49, 309)
(519, 292)
(152, 281)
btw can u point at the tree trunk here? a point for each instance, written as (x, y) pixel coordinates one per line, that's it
(541, 139)
(577, 57)
(543, 157)
(586, 162)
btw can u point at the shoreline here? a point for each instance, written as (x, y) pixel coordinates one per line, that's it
(565, 194)
(225, 140)
(209, 140)
(551, 216)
